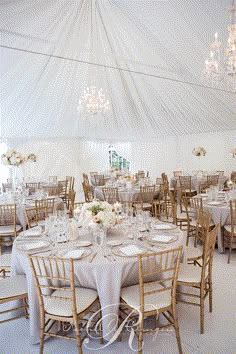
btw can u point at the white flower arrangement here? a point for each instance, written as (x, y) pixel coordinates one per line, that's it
(14, 158)
(233, 151)
(97, 212)
(199, 151)
(31, 157)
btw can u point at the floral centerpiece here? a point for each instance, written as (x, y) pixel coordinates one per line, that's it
(199, 151)
(12, 158)
(233, 152)
(97, 212)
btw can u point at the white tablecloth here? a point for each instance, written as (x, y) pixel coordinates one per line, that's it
(103, 275)
(196, 182)
(125, 195)
(220, 215)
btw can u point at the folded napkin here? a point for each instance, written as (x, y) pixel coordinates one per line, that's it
(163, 238)
(163, 226)
(74, 254)
(34, 231)
(35, 245)
(131, 250)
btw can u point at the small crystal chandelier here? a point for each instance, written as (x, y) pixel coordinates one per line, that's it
(93, 101)
(214, 69)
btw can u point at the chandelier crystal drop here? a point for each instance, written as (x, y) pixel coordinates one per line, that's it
(219, 64)
(93, 101)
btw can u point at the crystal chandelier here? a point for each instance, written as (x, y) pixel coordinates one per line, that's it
(217, 67)
(93, 101)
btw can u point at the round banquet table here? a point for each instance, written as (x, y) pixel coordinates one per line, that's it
(105, 274)
(197, 181)
(220, 212)
(125, 195)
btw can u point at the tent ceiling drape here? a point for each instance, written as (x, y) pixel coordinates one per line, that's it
(147, 56)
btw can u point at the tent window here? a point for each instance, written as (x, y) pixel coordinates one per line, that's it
(115, 160)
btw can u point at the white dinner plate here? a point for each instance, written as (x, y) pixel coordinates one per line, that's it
(129, 250)
(83, 243)
(165, 226)
(114, 243)
(163, 238)
(33, 246)
(216, 203)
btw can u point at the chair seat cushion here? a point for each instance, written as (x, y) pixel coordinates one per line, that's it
(153, 302)
(5, 260)
(9, 229)
(193, 252)
(63, 307)
(147, 205)
(228, 228)
(190, 274)
(14, 286)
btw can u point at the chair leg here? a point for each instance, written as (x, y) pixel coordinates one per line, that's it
(78, 339)
(140, 339)
(26, 306)
(202, 311)
(41, 341)
(230, 249)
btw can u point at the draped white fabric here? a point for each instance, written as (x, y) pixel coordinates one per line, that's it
(147, 56)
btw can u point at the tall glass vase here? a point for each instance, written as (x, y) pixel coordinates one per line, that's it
(14, 176)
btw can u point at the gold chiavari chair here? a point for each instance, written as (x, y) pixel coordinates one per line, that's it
(6, 187)
(175, 217)
(85, 178)
(233, 176)
(12, 289)
(155, 294)
(192, 205)
(8, 226)
(99, 180)
(60, 300)
(88, 192)
(32, 187)
(186, 189)
(51, 190)
(71, 199)
(159, 181)
(48, 203)
(200, 278)
(229, 231)
(146, 197)
(34, 215)
(52, 179)
(110, 195)
(212, 180)
(220, 173)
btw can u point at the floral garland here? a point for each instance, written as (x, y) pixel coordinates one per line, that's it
(199, 151)
(14, 158)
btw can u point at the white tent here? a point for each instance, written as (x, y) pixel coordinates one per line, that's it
(148, 56)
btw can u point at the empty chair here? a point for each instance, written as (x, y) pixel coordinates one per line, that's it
(229, 231)
(6, 187)
(155, 294)
(51, 190)
(52, 179)
(110, 195)
(32, 187)
(88, 192)
(85, 178)
(12, 289)
(198, 278)
(8, 226)
(192, 205)
(146, 197)
(99, 180)
(185, 189)
(60, 300)
(212, 180)
(34, 215)
(48, 203)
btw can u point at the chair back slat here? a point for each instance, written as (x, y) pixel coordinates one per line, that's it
(110, 195)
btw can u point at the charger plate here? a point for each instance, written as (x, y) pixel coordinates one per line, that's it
(217, 203)
(165, 227)
(162, 239)
(129, 250)
(77, 253)
(32, 246)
